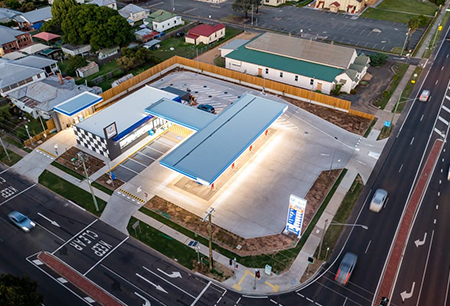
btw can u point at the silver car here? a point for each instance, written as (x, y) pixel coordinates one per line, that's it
(424, 95)
(346, 267)
(378, 200)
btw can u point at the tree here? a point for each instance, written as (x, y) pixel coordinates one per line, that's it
(27, 7)
(101, 27)
(378, 59)
(413, 25)
(423, 21)
(75, 62)
(18, 291)
(12, 4)
(60, 8)
(245, 6)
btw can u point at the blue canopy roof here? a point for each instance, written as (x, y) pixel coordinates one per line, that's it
(77, 104)
(209, 152)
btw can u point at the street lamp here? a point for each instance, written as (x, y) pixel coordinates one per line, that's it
(80, 156)
(334, 152)
(404, 44)
(336, 223)
(396, 106)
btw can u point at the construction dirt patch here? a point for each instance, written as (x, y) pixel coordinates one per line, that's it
(235, 243)
(71, 160)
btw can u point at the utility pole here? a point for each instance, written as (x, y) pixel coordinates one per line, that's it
(334, 152)
(6, 152)
(29, 136)
(209, 217)
(252, 15)
(43, 128)
(404, 44)
(80, 156)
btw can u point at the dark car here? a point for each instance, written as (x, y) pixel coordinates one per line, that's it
(180, 34)
(21, 221)
(384, 301)
(207, 108)
(346, 268)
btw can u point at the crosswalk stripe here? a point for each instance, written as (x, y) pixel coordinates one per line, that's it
(439, 132)
(447, 97)
(443, 120)
(446, 108)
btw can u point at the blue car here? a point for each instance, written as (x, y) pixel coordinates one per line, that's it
(21, 221)
(207, 108)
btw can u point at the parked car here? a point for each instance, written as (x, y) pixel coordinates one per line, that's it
(346, 267)
(424, 95)
(21, 221)
(207, 108)
(378, 200)
(180, 34)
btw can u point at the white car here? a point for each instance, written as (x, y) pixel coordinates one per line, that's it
(378, 200)
(424, 95)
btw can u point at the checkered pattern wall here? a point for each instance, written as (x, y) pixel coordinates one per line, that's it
(90, 141)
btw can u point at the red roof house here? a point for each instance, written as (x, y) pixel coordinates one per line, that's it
(205, 33)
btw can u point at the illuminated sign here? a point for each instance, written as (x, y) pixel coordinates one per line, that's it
(296, 214)
(110, 131)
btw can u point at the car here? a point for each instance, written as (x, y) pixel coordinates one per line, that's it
(21, 221)
(180, 34)
(384, 301)
(207, 108)
(378, 200)
(346, 268)
(424, 95)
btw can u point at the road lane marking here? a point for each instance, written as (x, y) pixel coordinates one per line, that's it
(406, 295)
(201, 293)
(49, 231)
(439, 132)
(443, 120)
(185, 292)
(158, 287)
(401, 167)
(442, 68)
(437, 206)
(4, 171)
(424, 270)
(130, 283)
(421, 118)
(74, 236)
(419, 242)
(446, 292)
(17, 194)
(437, 81)
(109, 253)
(412, 141)
(367, 248)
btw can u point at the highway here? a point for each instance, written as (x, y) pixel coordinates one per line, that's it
(124, 267)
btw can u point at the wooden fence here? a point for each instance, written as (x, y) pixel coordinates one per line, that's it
(236, 77)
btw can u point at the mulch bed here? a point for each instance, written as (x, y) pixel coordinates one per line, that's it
(104, 179)
(253, 246)
(70, 160)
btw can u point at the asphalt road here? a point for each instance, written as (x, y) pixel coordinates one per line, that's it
(126, 268)
(304, 22)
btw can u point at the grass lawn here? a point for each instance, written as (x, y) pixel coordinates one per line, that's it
(279, 261)
(13, 156)
(408, 89)
(102, 188)
(400, 10)
(34, 127)
(71, 192)
(333, 232)
(67, 170)
(17, 144)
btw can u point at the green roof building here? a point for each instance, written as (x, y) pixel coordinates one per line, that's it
(161, 21)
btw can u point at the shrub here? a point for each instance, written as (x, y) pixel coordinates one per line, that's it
(353, 91)
(378, 59)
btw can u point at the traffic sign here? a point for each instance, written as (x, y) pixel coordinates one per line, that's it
(387, 123)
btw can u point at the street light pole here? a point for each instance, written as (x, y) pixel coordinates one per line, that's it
(321, 239)
(209, 216)
(435, 35)
(6, 152)
(404, 44)
(29, 136)
(80, 156)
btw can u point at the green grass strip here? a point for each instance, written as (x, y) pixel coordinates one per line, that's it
(279, 261)
(68, 170)
(102, 188)
(71, 192)
(14, 158)
(334, 232)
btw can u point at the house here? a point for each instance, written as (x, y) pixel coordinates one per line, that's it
(133, 13)
(13, 76)
(35, 48)
(161, 20)
(13, 40)
(109, 3)
(205, 33)
(273, 2)
(47, 37)
(76, 50)
(88, 70)
(48, 65)
(299, 62)
(6, 15)
(107, 52)
(41, 98)
(77, 1)
(348, 6)
(34, 19)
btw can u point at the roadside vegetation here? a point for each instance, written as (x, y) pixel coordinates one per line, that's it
(13, 157)
(71, 192)
(400, 70)
(401, 10)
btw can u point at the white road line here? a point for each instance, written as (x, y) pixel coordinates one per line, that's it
(437, 206)
(439, 132)
(312, 301)
(445, 108)
(110, 252)
(447, 97)
(130, 283)
(412, 140)
(425, 269)
(4, 171)
(421, 118)
(139, 152)
(301, 295)
(446, 291)
(187, 293)
(437, 81)
(399, 170)
(50, 232)
(273, 301)
(443, 120)
(74, 236)
(201, 293)
(70, 290)
(131, 170)
(17, 194)
(367, 248)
